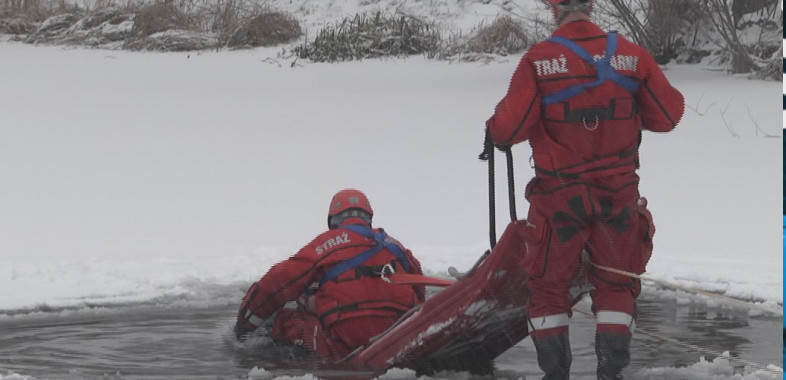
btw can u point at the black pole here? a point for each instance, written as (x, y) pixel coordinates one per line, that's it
(511, 186)
(492, 202)
(488, 155)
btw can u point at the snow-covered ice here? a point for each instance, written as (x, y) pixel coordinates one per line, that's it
(131, 177)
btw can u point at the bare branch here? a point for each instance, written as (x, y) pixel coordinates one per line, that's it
(726, 123)
(272, 61)
(698, 104)
(756, 125)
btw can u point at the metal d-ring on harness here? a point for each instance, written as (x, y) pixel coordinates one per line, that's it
(386, 270)
(594, 127)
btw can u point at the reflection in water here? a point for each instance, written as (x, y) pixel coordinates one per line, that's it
(130, 342)
(663, 331)
(145, 341)
(715, 330)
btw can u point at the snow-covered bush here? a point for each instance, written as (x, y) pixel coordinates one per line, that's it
(267, 29)
(34, 10)
(53, 28)
(174, 40)
(504, 36)
(100, 28)
(738, 35)
(16, 22)
(748, 35)
(364, 36)
(663, 27)
(158, 17)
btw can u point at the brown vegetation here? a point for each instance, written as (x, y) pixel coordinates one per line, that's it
(266, 29)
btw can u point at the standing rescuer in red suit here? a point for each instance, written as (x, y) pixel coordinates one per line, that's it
(581, 99)
(339, 280)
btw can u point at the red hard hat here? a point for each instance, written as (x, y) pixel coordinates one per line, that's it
(348, 199)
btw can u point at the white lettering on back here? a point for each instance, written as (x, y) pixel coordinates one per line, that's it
(551, 66)
(621, 62)
(332, 243)
(625, 62)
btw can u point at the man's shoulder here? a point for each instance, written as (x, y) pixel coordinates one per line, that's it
(580, 30)
(583, 32)
(333, 239)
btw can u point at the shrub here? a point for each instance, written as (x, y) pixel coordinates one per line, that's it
(17, 25)
(370, 37)
(669, 24)
(664, 27)
(157, 17)
(52, 28)
(503, 36)
(174, 40)
(33, 10)
(770, 71)
(266, 29)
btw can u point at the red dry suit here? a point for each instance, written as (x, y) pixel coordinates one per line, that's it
(585, 144)
(346, 305)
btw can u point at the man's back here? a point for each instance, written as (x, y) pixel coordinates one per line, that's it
(286, 280)
(601, 120)
(361, 289)
(582, 98)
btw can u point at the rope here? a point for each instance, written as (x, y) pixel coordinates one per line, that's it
(688, 289)
(753, 365)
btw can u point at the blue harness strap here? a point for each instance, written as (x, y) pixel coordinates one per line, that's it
(603, 68)
(380, 243)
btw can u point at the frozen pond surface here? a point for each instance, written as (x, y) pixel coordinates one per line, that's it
(144, 341)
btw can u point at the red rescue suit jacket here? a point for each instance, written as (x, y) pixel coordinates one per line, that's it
(352, 294)
(596, 132)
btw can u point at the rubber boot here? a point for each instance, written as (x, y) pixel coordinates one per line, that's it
(554, 356)
(613, 351)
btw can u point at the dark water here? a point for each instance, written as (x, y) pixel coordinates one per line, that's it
(663, 329)
(165, 342)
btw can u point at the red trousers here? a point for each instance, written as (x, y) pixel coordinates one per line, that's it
(603, 217)
(304, 329)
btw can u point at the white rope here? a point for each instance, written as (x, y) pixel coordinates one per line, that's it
(750, 364)
(691, 290)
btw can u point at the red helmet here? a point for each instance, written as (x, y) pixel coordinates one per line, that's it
(348, 199)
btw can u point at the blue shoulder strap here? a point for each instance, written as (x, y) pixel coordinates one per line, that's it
(602, 67)
(380, 243)
(381, 239)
